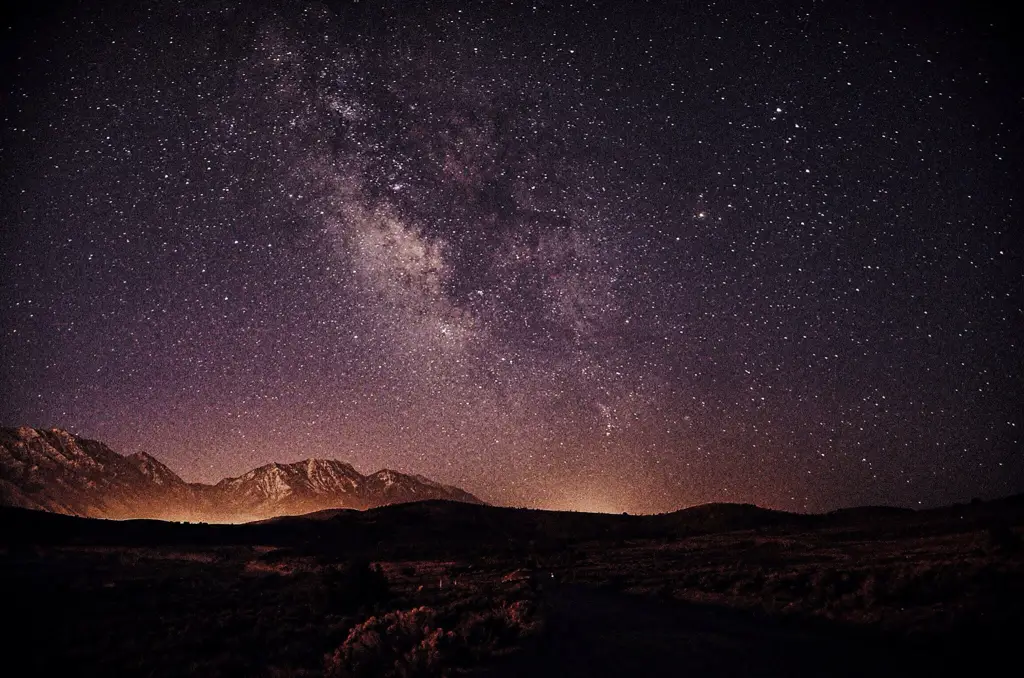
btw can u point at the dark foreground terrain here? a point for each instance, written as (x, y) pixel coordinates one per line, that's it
(451, 589)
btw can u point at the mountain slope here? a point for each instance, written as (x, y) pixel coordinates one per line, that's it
(154, 469)
(63, 473)
(292, 489)
(56, 471)
(392, 487)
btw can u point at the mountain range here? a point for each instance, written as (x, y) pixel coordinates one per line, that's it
(57, 471)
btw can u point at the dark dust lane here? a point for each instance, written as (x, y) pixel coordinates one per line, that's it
(593, 633)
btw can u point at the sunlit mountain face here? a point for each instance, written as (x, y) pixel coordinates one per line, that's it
(53, 470)
(564, 255)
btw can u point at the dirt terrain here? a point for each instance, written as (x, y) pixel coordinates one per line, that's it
(600, 633)
(445, 589)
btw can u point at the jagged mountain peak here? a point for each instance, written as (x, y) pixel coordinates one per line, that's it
(308, 468)
(155, 469)
(56, 470)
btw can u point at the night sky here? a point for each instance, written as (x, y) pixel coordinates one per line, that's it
(564, 255)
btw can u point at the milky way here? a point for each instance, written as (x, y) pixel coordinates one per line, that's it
(583, 256)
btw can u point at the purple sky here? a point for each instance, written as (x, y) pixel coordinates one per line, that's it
(558, 254)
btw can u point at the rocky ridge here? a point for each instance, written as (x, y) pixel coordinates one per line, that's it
(54, 470)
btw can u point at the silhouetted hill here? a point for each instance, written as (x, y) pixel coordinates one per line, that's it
(726, 517)
(444, 528)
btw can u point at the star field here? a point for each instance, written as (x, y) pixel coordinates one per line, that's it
(566, 255)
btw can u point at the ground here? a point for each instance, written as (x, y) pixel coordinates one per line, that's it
(904, 597)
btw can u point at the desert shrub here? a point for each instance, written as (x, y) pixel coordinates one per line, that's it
(485, 630)
(924, 585)
(1001, 539)
(787, 585)
(615, 583)
(354, 584)
(426, 642)
(873, 587)
(829, 585)
(717, 582)
(276, 555)
(457, 570)
(399, 644)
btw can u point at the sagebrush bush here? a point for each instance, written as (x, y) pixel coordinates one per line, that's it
(354, 584)
(423, 643)
(1002, 540)
(399, 644)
